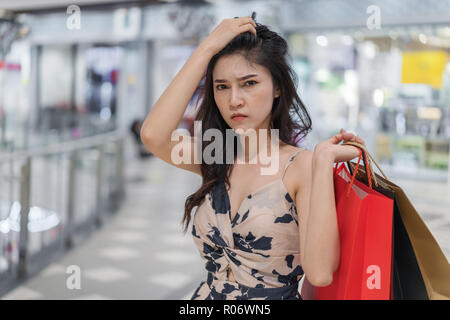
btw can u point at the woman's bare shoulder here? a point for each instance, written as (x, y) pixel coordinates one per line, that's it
(301, 156)
(287, 149)
(299, 171)
(303, 160)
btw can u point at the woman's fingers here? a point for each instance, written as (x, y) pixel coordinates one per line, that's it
(245, 20)
(336, 138)
(246, 24)
(249, 27)
(359, 140)
(252, 21)
(348, 136)
(249, 24)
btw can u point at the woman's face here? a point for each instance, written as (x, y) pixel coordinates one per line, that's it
(244, 89)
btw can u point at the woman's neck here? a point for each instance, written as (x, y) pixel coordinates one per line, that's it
(258, 146)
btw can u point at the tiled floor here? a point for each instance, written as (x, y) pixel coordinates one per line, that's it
(141, 253)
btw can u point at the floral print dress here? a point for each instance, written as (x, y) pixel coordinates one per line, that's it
(255, 255)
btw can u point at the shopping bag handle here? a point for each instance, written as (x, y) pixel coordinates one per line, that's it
(369, 172)
(352, 180)
(367, 163)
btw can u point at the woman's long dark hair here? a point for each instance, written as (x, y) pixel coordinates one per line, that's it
(288, 115)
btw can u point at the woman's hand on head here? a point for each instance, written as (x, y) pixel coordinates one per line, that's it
(339, 153)
(226, 31)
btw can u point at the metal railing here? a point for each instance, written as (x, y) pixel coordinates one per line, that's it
(49, 197)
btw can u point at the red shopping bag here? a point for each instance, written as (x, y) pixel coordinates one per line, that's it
(365, 219)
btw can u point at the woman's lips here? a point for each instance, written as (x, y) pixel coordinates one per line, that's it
(239, 118)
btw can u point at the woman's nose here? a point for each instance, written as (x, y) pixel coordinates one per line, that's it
(236, 98)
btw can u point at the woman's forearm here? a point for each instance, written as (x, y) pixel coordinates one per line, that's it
(322, 236)
(169, 109)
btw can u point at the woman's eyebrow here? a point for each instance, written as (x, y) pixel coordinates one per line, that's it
(241, 78)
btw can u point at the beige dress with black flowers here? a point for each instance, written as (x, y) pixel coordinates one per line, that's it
(257, 254)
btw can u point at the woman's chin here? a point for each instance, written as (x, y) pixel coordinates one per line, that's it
(242, 129)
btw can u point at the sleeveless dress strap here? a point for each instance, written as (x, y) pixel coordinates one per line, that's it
(290, 159)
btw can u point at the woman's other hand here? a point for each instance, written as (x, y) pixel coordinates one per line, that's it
(337, 152)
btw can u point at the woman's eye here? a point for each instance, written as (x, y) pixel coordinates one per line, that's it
(219, 87)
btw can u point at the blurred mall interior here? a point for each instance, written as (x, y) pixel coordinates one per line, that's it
(79, 190)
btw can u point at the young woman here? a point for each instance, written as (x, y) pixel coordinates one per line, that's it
(259, 233)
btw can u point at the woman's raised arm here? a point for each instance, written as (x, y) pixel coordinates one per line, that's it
(167, 112)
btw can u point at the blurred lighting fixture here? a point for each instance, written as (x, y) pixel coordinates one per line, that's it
(370, 49)
(423, 38)
(378, 97)
(349, 89)
(347, 40)
(322, 75)
(322, 41)
(429, 113)
(351, 78)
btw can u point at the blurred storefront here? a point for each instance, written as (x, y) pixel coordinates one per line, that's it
(391, 90)
(389, 83)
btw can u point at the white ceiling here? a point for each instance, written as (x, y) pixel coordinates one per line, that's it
(41, 4)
